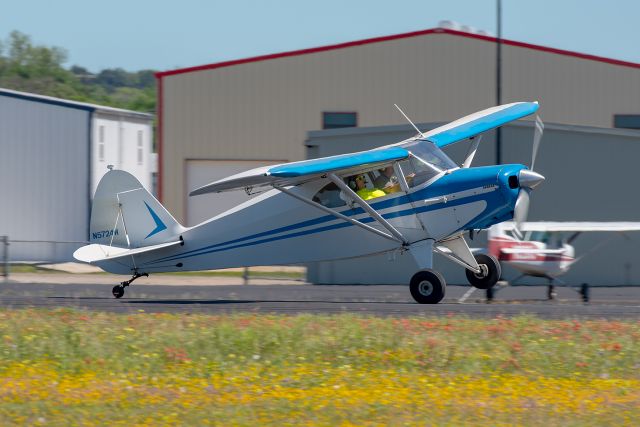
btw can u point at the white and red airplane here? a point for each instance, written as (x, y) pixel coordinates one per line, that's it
(543, 249)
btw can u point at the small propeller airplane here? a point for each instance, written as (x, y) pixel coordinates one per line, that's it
(317, 210)
(543, 249)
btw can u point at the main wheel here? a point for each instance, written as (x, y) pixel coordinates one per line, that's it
(118, 291)
(427, 287)
(490, 275)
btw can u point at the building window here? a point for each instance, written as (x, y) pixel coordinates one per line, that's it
(101, 143)
(627, 121)
(140, 145)
(339, 120)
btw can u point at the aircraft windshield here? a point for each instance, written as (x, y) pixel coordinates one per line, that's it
(428, 152)
(426, 161)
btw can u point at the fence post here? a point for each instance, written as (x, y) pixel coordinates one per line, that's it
(245, 275)
(4, 240)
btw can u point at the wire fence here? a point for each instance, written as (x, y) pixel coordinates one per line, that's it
(34, 252)
(39, 252)
(4, 247)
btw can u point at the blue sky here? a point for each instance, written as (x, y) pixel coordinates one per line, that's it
(163, 35)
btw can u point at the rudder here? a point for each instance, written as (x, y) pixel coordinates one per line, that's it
(126, 215)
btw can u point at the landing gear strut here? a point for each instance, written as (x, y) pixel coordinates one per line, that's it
(118, 290)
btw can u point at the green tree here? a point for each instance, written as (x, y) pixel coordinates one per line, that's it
(40, 69)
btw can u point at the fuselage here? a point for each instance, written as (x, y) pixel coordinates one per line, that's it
(275, 228)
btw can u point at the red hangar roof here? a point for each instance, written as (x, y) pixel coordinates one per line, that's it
(300, 52)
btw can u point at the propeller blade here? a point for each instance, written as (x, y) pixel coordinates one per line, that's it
(521, 209)
(537, 136)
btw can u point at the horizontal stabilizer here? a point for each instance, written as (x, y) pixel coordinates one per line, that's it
(95, 252)
(480, 122)
(297, 172)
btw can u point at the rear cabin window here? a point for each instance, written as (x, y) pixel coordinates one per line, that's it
(329, 196)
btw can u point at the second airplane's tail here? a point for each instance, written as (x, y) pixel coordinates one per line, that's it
(126, 219)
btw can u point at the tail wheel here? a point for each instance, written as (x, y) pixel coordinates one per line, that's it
(118, 291)
(427, 287)
(490, 274)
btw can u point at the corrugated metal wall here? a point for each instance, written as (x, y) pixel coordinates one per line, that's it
(44, 177)
(262, 110)
(589, 177)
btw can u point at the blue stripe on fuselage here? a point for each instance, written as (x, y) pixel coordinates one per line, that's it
(458, 180)
(391, 215)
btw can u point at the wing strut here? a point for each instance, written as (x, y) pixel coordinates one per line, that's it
(375, 215)
(472, 151)
(124, 225)
(337, 214)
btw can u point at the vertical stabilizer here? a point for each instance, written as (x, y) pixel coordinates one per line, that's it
(125, 214)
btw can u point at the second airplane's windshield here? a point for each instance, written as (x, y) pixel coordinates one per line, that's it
(426, 161)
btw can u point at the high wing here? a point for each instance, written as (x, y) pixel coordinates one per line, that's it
(479, 122)
(297, 172)
(574, 226)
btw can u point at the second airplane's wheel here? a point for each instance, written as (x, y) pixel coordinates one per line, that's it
(427, 287)
(118, 291)
(490, 275)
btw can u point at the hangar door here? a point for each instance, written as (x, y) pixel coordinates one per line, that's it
(202, 172)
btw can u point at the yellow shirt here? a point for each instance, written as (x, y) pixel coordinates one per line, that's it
(367, 193)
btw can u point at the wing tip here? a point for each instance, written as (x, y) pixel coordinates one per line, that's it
(200, 191)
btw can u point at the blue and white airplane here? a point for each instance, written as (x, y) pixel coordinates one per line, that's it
(315, 210)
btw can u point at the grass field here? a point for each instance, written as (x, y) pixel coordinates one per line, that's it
(63, 368)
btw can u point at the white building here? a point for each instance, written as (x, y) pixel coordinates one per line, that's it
(53, 153)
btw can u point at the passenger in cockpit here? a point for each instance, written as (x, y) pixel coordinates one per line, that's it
(387, 181)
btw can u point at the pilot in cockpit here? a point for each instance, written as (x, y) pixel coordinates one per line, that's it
(358, 183)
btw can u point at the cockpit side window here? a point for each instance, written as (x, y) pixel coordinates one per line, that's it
(417, 172)
(540, 236)
(329, 196)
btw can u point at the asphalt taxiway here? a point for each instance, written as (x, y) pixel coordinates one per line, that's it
(290, 297)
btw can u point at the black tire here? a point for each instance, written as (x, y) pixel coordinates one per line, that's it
(492, 272)
(118, 291)
(427, 287)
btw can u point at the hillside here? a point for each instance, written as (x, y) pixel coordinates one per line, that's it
(27, 67)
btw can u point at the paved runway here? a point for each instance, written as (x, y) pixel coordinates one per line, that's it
(286, 298)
